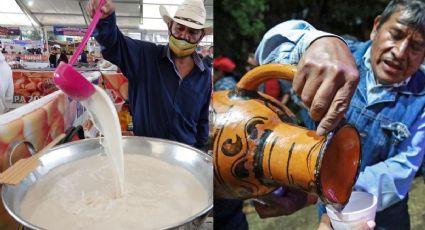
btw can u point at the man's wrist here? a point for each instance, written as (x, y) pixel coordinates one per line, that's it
(314, 36)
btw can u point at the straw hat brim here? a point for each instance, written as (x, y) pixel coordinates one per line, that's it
(208, 29)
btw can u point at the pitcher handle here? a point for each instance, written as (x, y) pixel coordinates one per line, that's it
(252, 79)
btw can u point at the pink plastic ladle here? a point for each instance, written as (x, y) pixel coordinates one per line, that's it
(70, 80)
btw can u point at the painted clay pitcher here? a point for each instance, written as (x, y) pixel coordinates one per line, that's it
(257, 146)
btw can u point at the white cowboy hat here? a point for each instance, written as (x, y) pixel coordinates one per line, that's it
(190, 13)
(56, 46)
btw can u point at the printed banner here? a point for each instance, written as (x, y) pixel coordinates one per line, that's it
(69, 31)
(14, 46)
(117, 83)
(30, 86)
(3, 30)
(13, 31)
(27, 57)
(10, 31)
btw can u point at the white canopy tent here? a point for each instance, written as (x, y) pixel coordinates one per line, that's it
(133, 16)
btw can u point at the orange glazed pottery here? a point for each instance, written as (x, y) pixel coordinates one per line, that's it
(258, 146)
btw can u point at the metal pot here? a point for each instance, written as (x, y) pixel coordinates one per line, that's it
(194, 161)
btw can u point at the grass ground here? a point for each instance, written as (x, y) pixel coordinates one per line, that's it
(306, 219)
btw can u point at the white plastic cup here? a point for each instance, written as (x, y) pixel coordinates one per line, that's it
(118, 102)
(118, 106)
(360, 209)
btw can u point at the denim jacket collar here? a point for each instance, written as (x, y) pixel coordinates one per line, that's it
(416, 85)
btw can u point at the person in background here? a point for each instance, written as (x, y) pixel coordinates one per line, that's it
(63, 57)
(83, 57)
(6, 85)
(251, 62)
(169, 86)
(279, 89)
(388, 105)
(223, 78)
(54, 56)
(282, 90)
(18, 57)
(208, 59)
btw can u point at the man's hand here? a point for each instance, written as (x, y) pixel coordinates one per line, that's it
(326, 79)
(325, 224)
(282, 205)
(106, 9)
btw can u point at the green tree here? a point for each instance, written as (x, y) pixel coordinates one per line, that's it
(239, 28)
(51, 36)
(337, 16)
(35, 35)
(240, 25)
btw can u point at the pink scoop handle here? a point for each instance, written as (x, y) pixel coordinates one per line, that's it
(89, 31)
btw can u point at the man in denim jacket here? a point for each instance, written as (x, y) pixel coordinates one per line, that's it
(388, 105)
(326, 87)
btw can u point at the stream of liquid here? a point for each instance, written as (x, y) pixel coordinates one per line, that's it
(105, 117)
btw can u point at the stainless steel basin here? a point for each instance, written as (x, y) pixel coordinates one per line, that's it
(196, 162)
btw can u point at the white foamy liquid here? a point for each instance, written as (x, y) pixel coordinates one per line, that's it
(105, 117)
(80, 195)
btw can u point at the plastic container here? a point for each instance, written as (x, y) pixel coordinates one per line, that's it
(360, 209)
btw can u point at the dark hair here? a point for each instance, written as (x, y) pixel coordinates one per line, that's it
(415, 9)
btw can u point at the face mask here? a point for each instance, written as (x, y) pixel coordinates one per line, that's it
(180, 47)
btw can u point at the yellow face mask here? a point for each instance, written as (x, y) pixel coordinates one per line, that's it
(180, 47)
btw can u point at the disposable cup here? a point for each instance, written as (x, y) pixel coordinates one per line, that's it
(118, 104)
(360, 209)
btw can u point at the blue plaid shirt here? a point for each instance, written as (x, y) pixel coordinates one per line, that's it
(225, 83)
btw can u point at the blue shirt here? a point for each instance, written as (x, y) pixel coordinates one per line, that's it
(163, 104)
(392, 151)
(83, 57)
(225, 83)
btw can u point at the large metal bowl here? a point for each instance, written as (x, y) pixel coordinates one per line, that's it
(196, 162)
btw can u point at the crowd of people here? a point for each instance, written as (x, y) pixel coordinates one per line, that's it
(57, 54)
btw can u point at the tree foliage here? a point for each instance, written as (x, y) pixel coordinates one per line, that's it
(35, 35)
(337, 16)
(239, 25)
